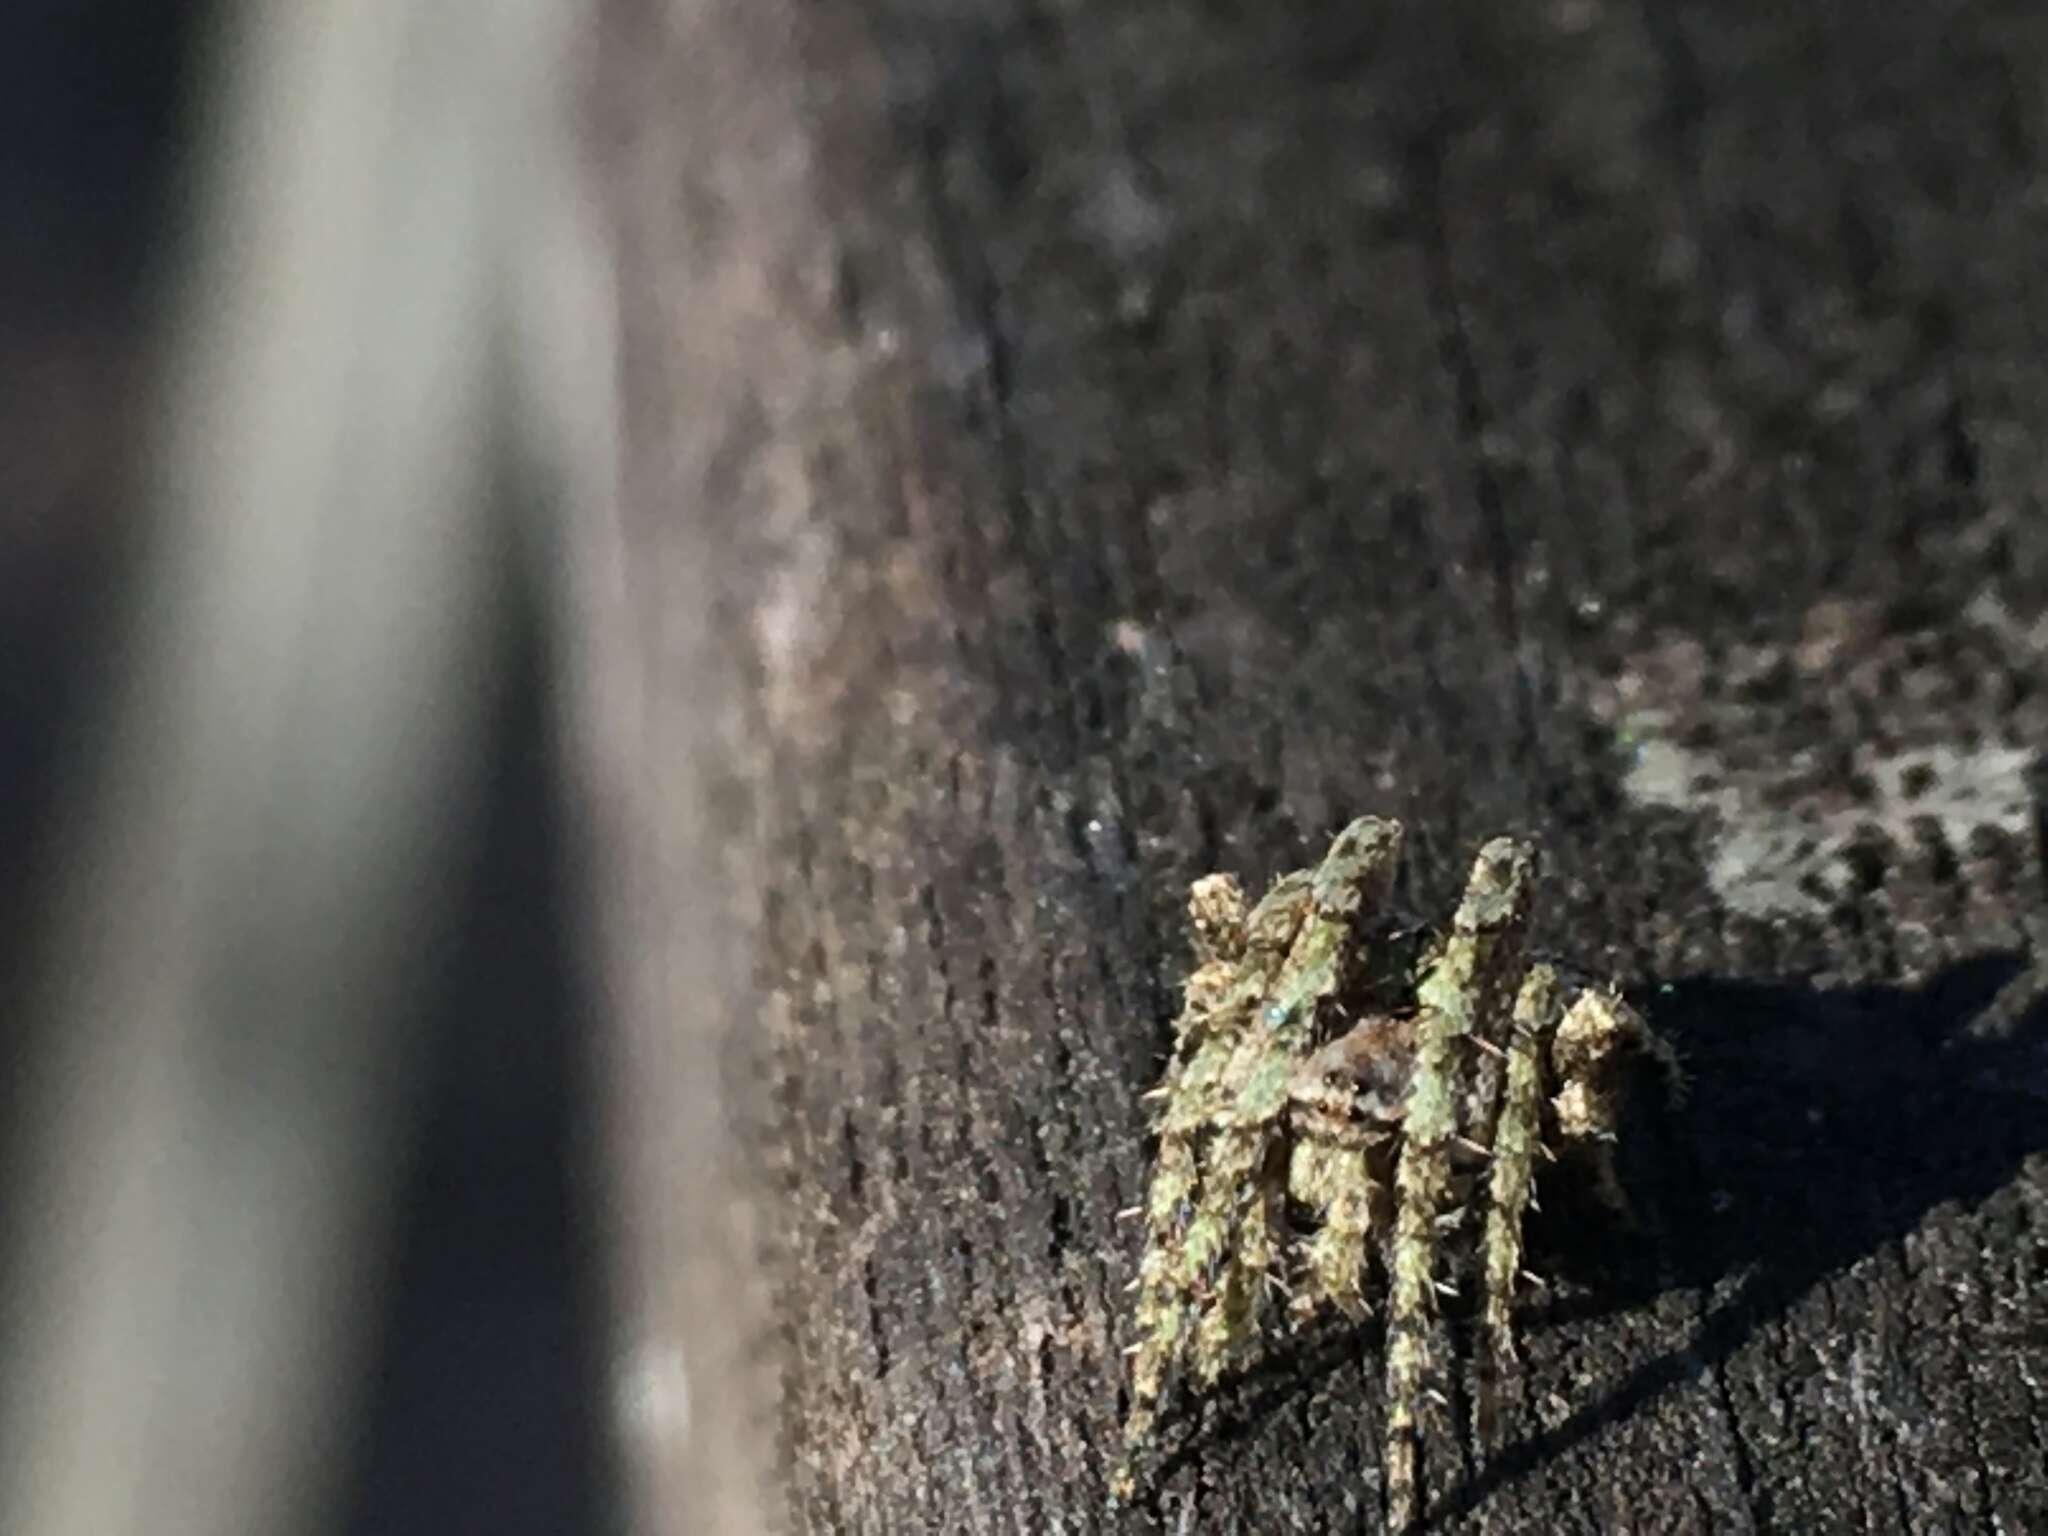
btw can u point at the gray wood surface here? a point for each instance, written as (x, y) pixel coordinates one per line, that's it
(1076, 447)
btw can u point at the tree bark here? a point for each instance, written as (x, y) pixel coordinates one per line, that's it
(1072, 448)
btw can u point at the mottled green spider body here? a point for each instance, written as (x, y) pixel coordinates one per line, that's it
(1340, 1092)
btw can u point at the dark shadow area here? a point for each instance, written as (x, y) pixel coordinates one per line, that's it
(487, 1401)
(1820, 1127)
(1817, 1127)
(91, 146)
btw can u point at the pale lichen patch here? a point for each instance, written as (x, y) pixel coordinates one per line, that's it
(1855, 735)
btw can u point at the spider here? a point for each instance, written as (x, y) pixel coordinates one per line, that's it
(1342, 1088)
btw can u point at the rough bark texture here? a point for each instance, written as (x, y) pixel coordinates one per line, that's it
(1081, 446)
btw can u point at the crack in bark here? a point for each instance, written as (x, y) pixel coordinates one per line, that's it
(1475, 425)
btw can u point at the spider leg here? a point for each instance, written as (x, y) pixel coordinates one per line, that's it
(1160, 1311)
(1463, 994)
(1216, 920)
(1517, 1142)
(1205, 1030)
(1238, 1221)
(1330, 1172)
(1347, 1103)
(1248, 1169)
(1205, 1033)
(1588, 1057)
(1187, 1227)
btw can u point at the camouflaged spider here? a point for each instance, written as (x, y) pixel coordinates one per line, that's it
(1340, 1090)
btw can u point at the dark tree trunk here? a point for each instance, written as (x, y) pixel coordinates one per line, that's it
(1079, 446)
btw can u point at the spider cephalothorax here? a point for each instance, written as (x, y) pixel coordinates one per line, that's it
(1340, 1089)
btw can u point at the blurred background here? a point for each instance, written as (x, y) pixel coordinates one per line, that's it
(298, 1162)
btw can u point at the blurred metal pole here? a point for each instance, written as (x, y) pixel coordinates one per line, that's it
(258, 870)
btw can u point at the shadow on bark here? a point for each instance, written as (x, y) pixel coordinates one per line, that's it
(1818, 1127)
(1821, 1127)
